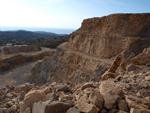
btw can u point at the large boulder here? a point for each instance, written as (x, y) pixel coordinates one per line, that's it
(86, 107)
(110, 92)
(95, 97)
(39, 107)
(30, 98)
(143, 58)
(57, 107)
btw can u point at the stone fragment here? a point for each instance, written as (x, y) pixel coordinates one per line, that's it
(28, 110)
(132, 67)
(95, 97)
(86, 85)
(103, 111)
(73, 110)
(47, 90)
(86, 108)
(32, 97)
(84, 98)
(148, 98)
(137, 103)
(147, 78)
(21, 95)
(57, 107)
(142, 58)
(62, 87)
(113, 111)
(26, 87)
(108, 75)
(133, 110)
(123, 106)
(13, 109)
(9, 95)
(110, 92)
(39, 107)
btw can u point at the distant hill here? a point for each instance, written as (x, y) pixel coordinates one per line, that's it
(40, 38)
(10, 35)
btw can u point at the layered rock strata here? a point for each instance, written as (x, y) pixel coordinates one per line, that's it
(90, 49)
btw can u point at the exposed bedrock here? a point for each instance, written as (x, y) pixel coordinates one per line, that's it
(91, 49)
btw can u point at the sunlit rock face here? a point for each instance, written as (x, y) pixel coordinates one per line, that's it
(109, 35)
(86, 56)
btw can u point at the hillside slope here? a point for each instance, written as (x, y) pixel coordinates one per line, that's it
(85, 56)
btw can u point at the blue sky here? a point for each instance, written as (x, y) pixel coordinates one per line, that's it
(63, 13)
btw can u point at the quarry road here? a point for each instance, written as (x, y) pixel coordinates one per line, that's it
(43, 49)
(19, 75)
(102, 60)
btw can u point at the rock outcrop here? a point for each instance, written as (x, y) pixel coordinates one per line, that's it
(109, 35)
(91, 49)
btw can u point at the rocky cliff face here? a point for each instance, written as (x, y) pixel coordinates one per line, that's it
(109, 35)
(87, 55)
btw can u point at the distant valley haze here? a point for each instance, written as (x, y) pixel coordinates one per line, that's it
(52, 30)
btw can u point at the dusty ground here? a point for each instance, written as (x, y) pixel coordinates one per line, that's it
(18, 75)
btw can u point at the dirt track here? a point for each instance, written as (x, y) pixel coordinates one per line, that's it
(18, 75)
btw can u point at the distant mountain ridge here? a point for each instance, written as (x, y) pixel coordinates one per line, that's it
(19, 34)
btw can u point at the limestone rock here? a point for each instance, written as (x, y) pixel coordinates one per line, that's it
(87, 85)
(137, 103)
(142, 58)
(113, 111)
(13, 109)
(9, 95)
(32, 97)
(147, 78)
(123, 106)
(103, 111)
(21, 95)
(95, 97)
(86, 108)
(73, 110)
(110, 92)
(25, 88)
(39, 107)
(57, 107)
(108, 75)
(133, 110)
(64, 88)
(97, 35)
(28, 110)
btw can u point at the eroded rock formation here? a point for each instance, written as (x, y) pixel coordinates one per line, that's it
(91, 49)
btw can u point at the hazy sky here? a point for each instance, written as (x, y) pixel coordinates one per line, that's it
(63, 13)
